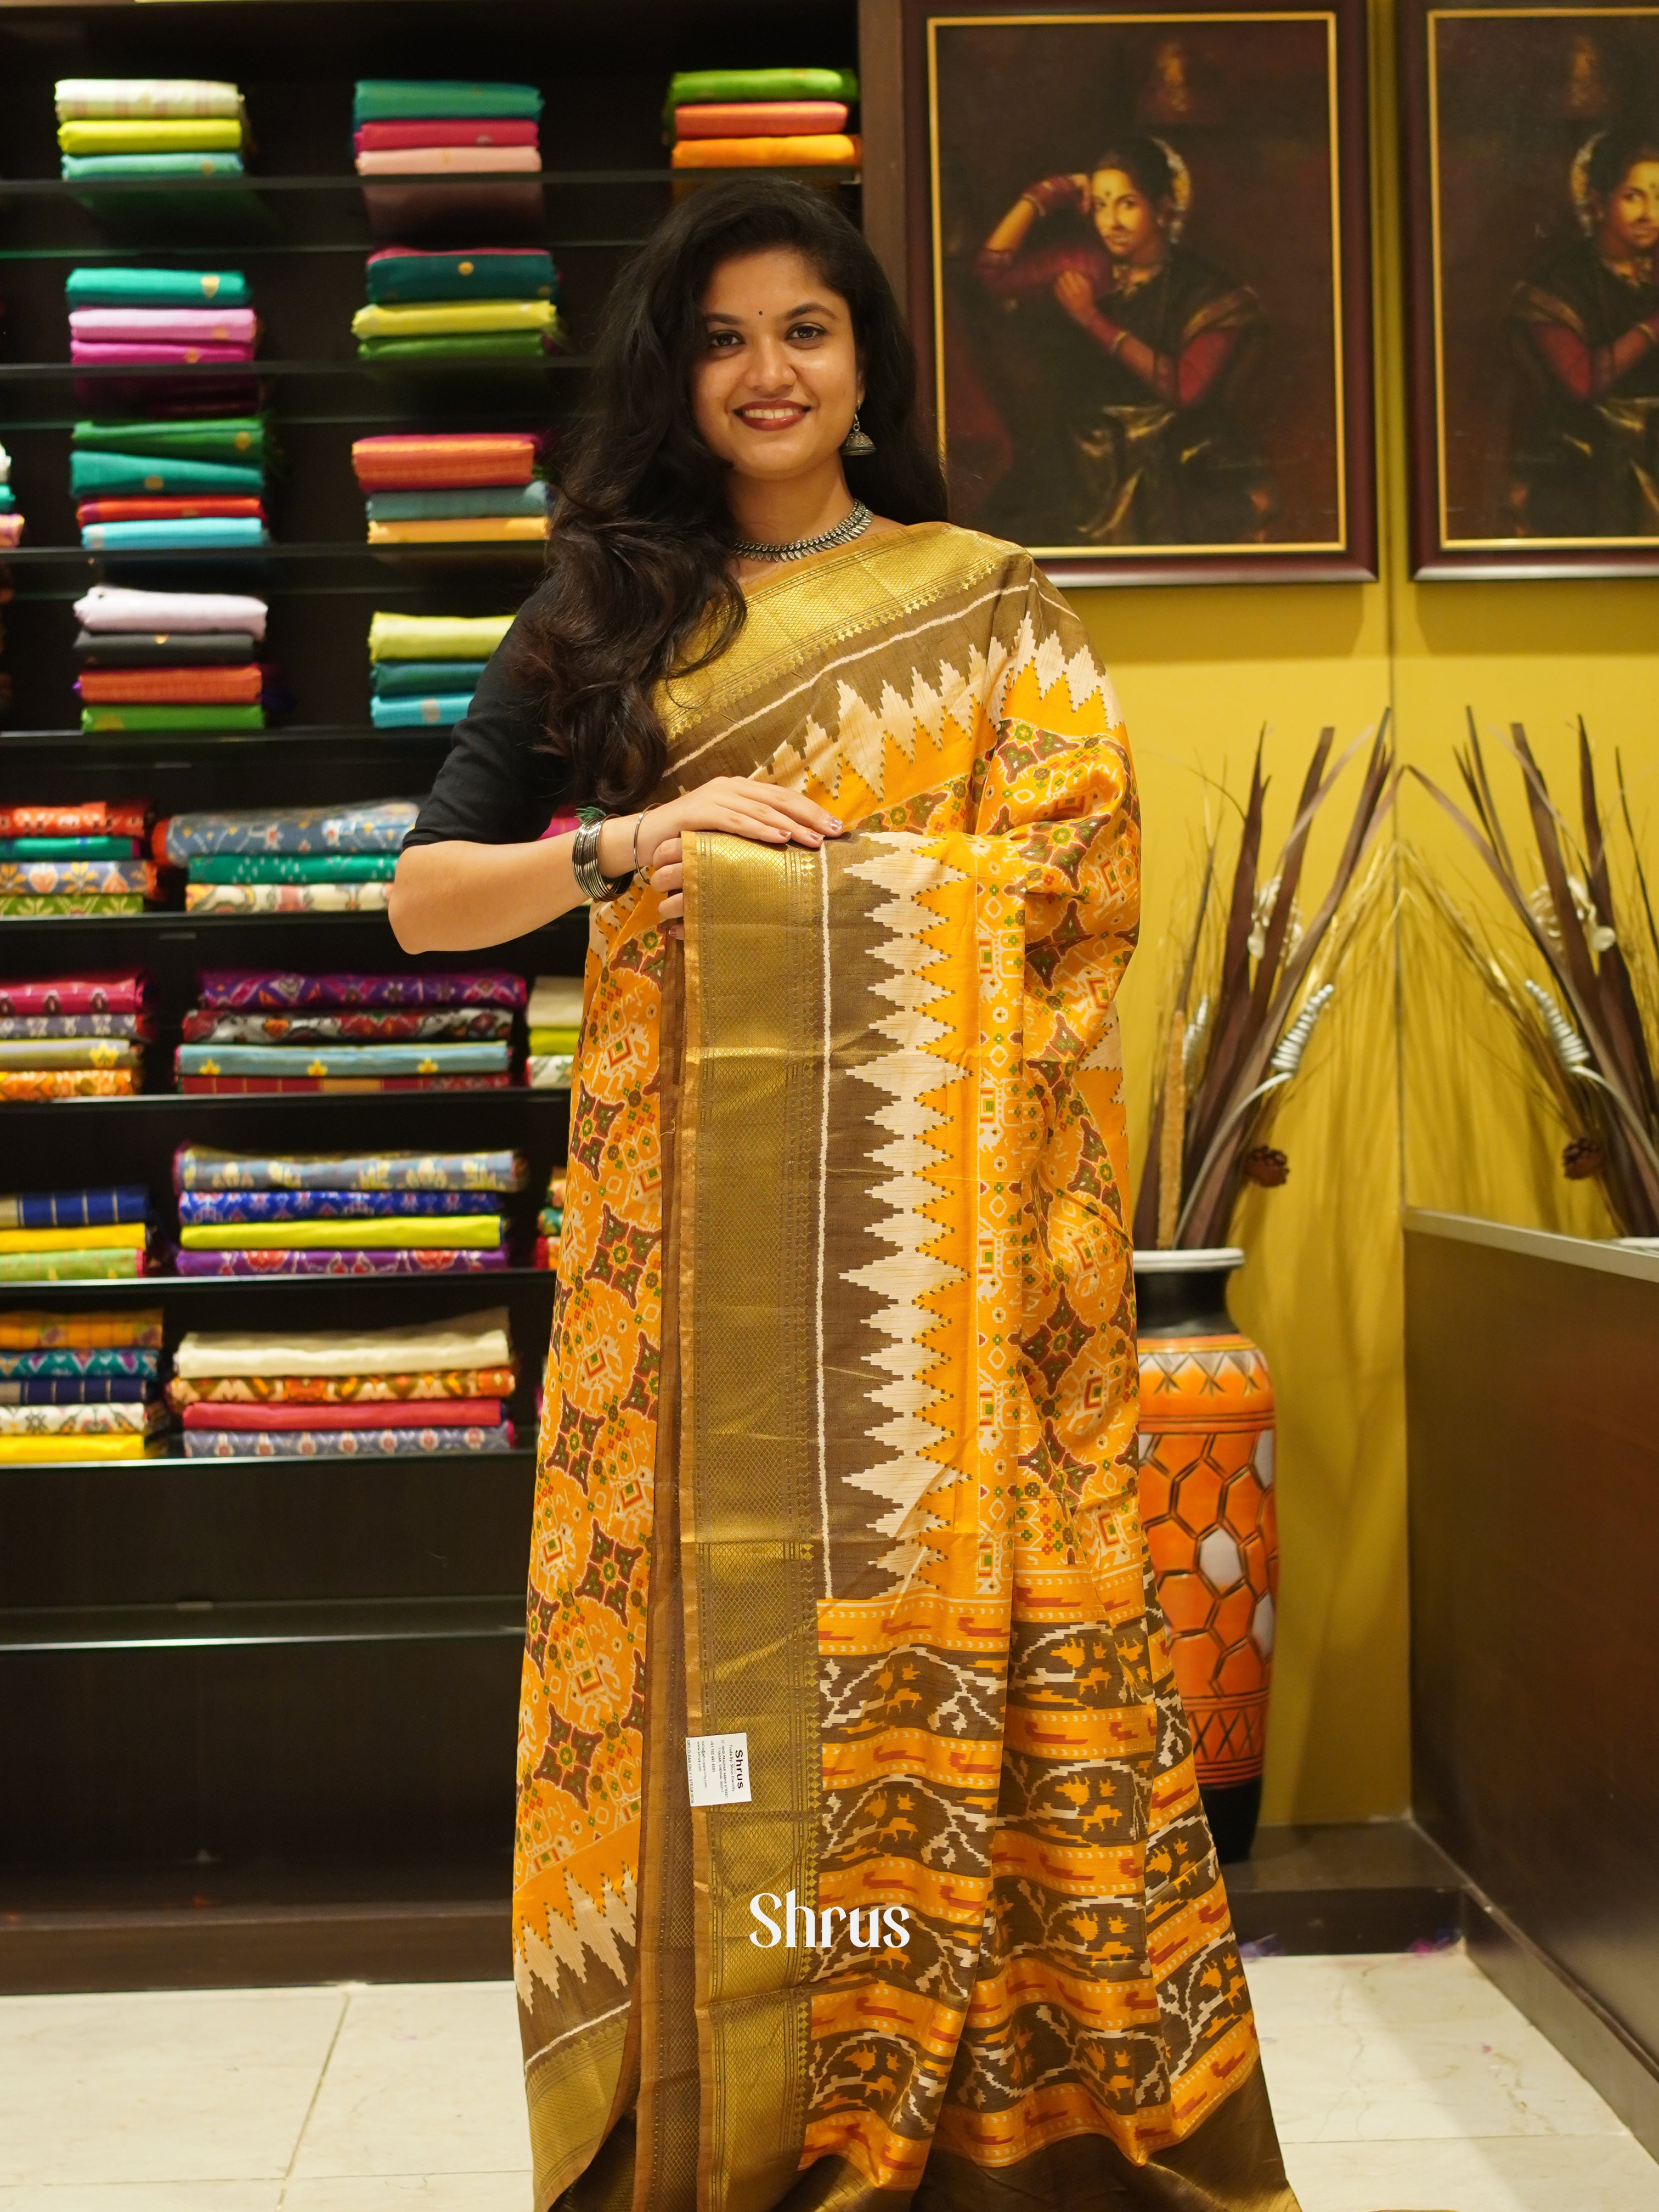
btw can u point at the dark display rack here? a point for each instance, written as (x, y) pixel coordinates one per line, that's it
(239, 1686)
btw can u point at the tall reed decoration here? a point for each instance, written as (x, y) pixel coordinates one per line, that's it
(1591, 1030)
(1248, 993)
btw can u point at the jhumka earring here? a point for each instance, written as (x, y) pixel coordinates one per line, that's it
(857, 442)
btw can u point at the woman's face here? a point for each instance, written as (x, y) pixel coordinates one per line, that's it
(1125, 218)
(1629, 216)
(774, 388)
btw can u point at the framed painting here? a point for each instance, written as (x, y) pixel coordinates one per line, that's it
(1139, 279)
(1532, 154)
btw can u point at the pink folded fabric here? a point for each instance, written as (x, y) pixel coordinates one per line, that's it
(445, 160)
(11, 530)
(165, 326)
(86, 350)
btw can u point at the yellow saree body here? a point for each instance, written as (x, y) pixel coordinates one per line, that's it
(837, 1455)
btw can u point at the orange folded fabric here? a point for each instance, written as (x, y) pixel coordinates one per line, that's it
(759, 118)
(204, 687)
(431, 464)
(832, 150)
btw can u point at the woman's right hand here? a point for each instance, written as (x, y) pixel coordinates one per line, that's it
(735, 805)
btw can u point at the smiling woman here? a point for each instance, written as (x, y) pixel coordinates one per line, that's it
(838, 1591)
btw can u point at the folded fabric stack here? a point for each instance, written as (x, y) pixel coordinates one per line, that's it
(79, 1386)
(480, 303)
(466, 488)
(550, 1224)
(288, 859)
(253, 1030)
(149, 127)
(165, 487)
(170, 660)
(425, 668)
(87, 859)
(764, 118)
(73, 1036)
(555, 1018)
(387, 1213)
(73, 1235)
(11, 521)
(481, 140)
(385, 1392)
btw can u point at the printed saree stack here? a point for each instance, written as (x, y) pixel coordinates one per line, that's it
(74, 1237)
(88, 857)
(554, 1017)
(258, 1032)
(838, 1456)
(386, 1213)
(372, 1394)
(79, 1386)
(73, 1036)
(286, 859)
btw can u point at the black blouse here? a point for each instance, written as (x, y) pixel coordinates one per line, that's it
(497, 786)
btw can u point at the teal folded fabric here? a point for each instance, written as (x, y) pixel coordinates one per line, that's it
(157, 287)
(7, 499)
(91, 168)
(391, 100)
(344, 1060)
(405, 679)
(294, 868)
(136, 474)
(66, 849)
(442, 712)
(403, 279)
(438, 347)
(240, 438)
(198, 530)
(475, 499)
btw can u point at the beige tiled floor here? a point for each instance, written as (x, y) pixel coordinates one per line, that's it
(1408, 2083)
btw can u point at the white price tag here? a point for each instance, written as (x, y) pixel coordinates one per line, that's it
(717, 1767)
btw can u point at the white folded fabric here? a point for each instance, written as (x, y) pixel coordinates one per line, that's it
(117, 607)
(477, 1339)
(83, 98)
(82, 1420)
(556, 1002)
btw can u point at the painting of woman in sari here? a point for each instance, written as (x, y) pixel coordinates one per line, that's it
(1587, 326)
(1155, 455)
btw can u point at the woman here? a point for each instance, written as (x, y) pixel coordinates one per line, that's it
(1155, 456)
(837, 1463)
(1588, 327)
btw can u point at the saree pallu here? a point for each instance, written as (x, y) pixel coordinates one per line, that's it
(837, 1455)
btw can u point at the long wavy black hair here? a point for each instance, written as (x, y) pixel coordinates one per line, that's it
(639, 585)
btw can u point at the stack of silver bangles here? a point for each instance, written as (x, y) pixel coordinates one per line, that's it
(590, 879)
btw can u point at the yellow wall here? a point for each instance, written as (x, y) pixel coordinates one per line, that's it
(1409, 1089)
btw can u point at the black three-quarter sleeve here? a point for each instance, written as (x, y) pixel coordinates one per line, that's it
(497, 786)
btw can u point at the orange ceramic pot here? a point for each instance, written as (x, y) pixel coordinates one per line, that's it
(1206, 1500)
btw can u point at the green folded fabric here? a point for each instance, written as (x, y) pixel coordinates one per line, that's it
(435, 637)
(691, 88)
(136, 474)
(223, 438)
(96, 1266)
(172, 718)
(294, 868)
(91, 168)
(157, 287)
(391, 99)
(464, 499)
(480, 345)
(553, 1040)
(396, 280)
(413, 679)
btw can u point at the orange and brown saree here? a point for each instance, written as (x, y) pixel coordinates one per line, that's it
(837, 1457)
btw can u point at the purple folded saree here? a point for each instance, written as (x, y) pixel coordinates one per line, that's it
(200, 1209)
(423, 1260)
(342, 1444)
(261, 988)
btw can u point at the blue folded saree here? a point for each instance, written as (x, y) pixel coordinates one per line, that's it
(162, 536)
(90, 168)
(476, 499)
(439, 712)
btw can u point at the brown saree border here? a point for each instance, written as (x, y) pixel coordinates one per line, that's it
(752, 1122)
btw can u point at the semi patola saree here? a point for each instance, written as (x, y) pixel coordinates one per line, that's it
(837, 1458)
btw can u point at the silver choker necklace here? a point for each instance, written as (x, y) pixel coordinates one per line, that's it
(850, 526)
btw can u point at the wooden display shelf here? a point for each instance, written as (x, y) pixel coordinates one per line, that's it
(200, 1624)
(254, 182)
(252, 372)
